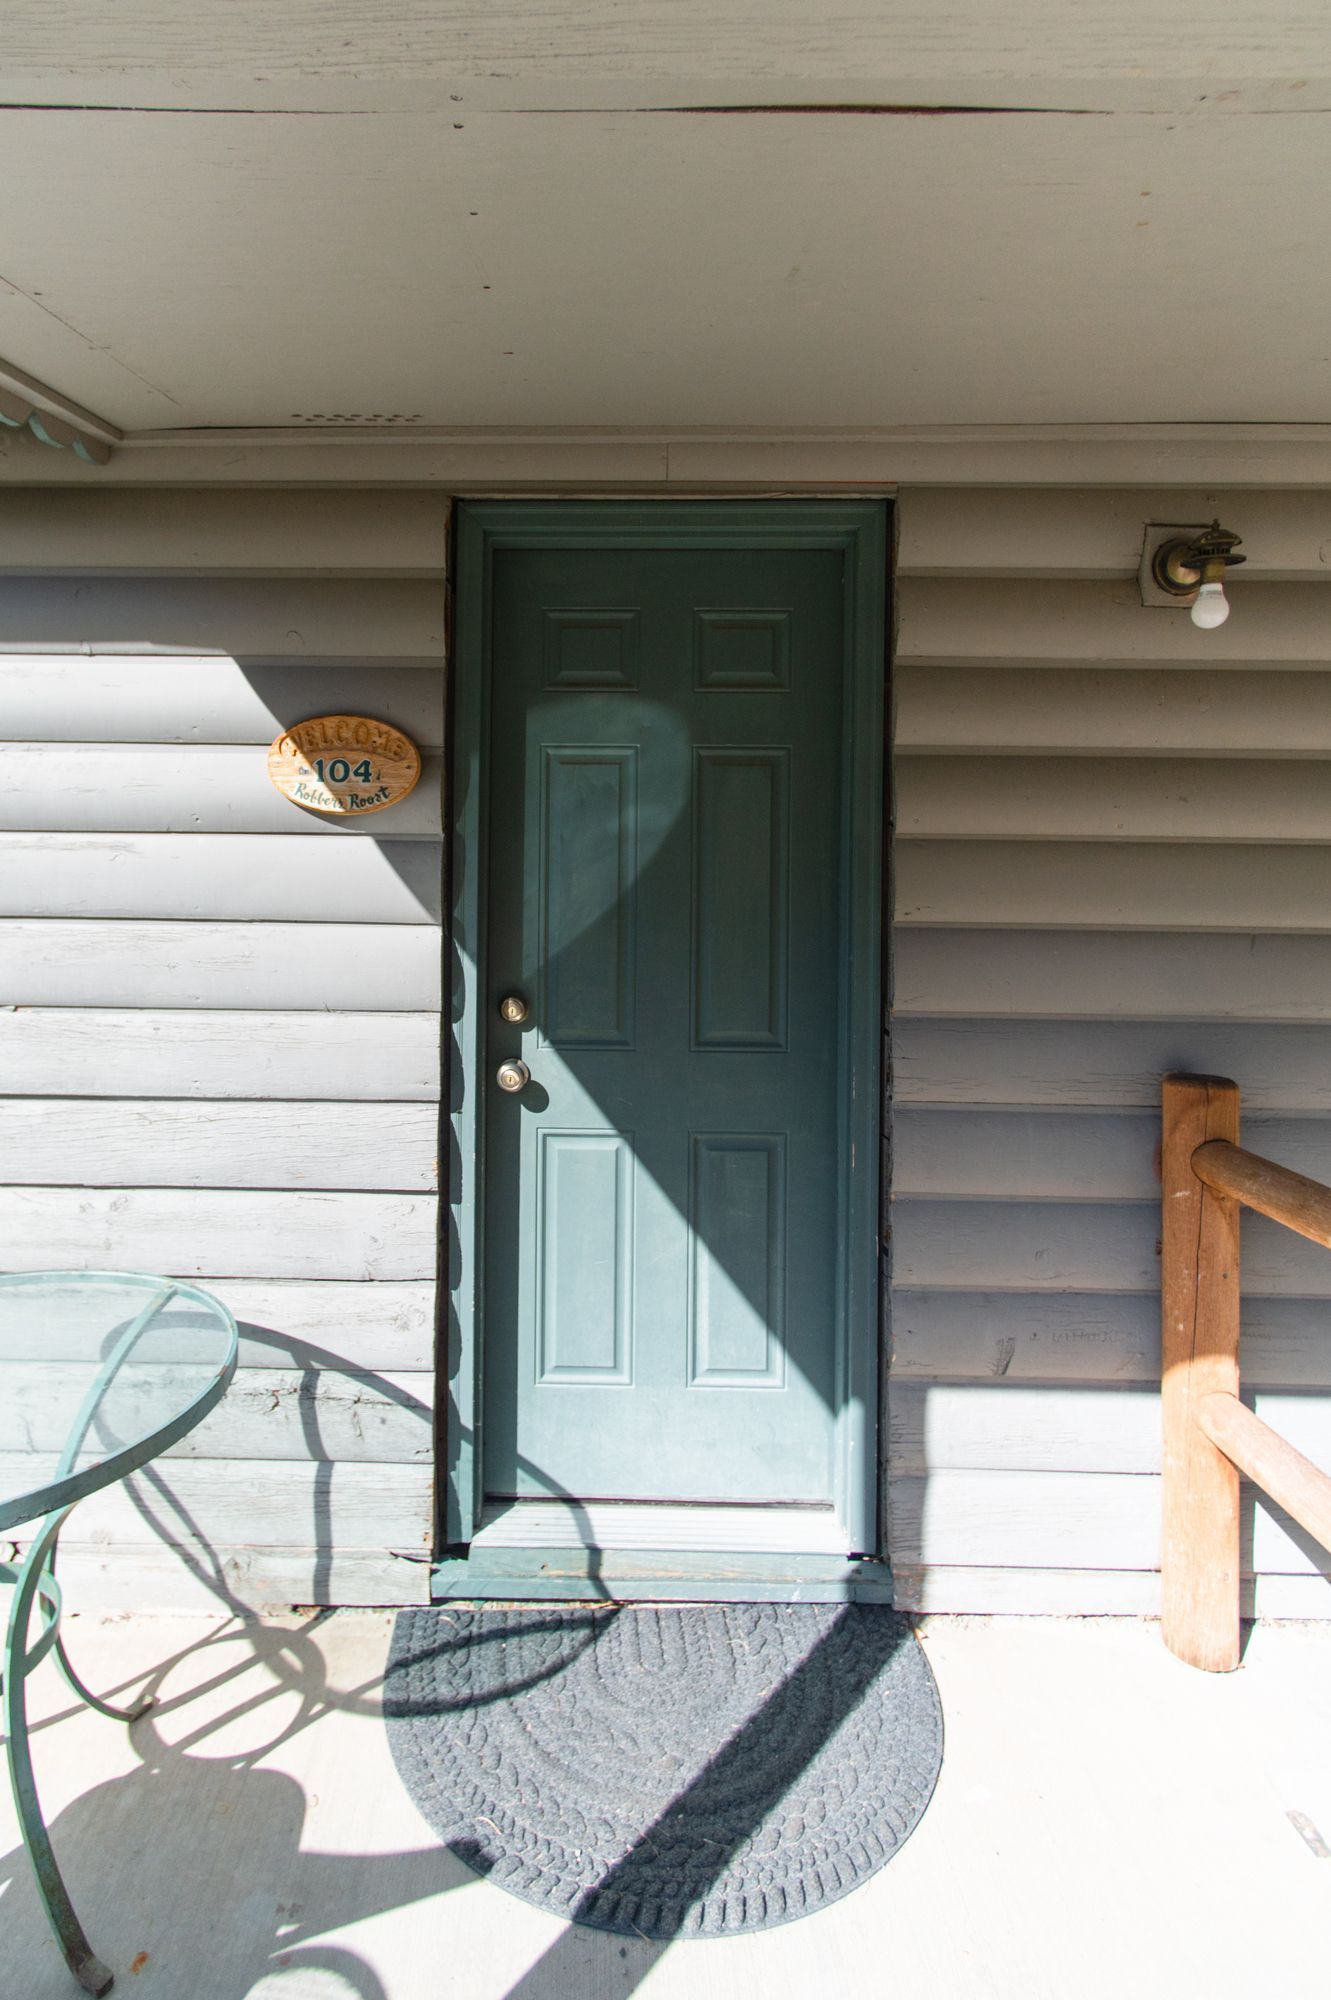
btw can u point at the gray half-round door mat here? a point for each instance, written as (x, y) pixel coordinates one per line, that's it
(666, 1771)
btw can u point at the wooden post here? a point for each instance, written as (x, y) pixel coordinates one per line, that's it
(1199, 1327)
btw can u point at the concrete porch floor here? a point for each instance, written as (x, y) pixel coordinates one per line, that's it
(1107, 1823)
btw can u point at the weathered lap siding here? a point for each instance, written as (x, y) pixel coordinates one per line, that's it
(222, 1056)
(219, 1016)
(1114, 859)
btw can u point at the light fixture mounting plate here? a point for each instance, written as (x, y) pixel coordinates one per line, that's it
(1154, 537)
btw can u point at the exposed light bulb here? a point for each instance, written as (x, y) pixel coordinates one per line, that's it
(1210, 606)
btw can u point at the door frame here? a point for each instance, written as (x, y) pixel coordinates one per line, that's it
(861, 528)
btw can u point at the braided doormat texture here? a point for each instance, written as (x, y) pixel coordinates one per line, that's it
(666, 1772)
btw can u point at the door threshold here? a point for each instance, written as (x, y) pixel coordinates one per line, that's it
(674, 1527)
(580, 1575)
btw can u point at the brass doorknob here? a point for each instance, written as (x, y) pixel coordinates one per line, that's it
(512, 1076)
(513, 1008)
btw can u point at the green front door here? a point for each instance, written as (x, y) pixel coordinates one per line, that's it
(676, 868)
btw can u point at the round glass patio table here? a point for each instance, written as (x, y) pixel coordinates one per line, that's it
(100, 1371)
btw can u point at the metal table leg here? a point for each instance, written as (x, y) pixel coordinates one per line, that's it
(34, 1584)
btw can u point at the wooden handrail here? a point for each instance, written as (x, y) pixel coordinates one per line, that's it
(1303, 1205)
(1262, 1455)
(1209, 1435)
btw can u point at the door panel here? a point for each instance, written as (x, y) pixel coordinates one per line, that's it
(737, 1296)
(588, 876)
(584, 1257)
(668, 832)
(741, 866)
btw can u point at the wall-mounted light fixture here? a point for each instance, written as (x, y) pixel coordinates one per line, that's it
(1190, 567)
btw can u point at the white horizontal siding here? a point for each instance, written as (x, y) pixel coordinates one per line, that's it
(1074, 1246)
(211, 877)
(142, 1142)
(1085, 1337)
(1114, 860)
(220, 1035)
(185, 788)
(1066, 1520)
(193, 1503)
(202, 699)
(199, 1575)
(1036, 1427)
(1009, 621)
(1072, 1593)
(236, 618)
(146, 1051)
(1122, 712)
(1066, 1155)
(1090, 975)
(330, 1415)
(1087, 884)
(210, 1232)
(1039, 1062)
(201, 532)
(82, 962)
(321, 1323)
(1190, 800)
(1077, 537)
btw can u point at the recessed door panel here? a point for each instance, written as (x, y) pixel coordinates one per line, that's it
(742, 649)
(584, 1255)
(589, 892)
(737, 1297)
(741, 840)
(591, 649)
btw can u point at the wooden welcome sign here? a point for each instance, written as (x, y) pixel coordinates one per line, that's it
(343, 764)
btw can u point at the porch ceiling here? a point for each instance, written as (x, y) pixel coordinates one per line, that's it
(568, 214)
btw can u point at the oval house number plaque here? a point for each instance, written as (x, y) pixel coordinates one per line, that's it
(343, 764)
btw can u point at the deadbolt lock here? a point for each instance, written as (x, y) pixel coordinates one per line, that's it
(513, 1007)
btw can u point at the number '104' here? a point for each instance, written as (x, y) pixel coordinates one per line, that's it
(339, 771)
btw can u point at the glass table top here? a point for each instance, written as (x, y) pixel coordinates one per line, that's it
(99, 1371)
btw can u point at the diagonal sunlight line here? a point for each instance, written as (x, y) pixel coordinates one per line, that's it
(725, 1777)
